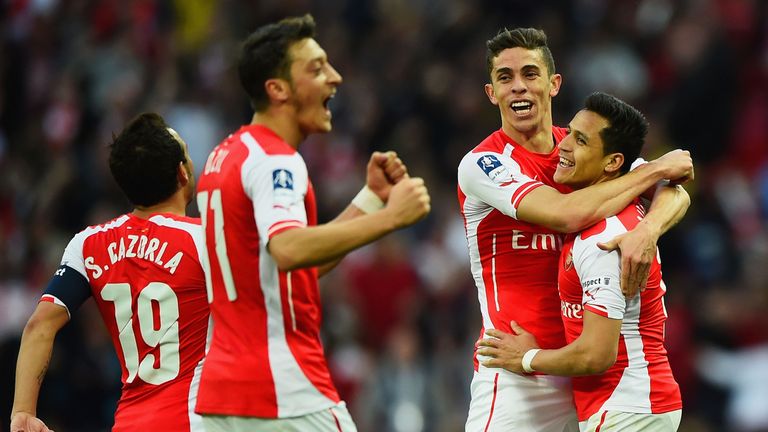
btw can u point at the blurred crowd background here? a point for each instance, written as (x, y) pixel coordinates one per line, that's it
(401, 316)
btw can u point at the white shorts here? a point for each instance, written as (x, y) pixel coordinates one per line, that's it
(504, 401)
(611, 421)
(334, 419)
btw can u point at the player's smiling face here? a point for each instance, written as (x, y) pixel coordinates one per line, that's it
(313, 85)
(522, 88)
(582, 158)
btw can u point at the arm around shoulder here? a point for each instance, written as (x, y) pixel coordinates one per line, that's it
(582, 208)
(561, 212)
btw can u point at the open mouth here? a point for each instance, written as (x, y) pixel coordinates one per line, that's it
(521, 107)
(565, 163)
(327, 101)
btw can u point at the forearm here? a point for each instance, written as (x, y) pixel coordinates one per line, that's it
(669, 205)
(32, 364)
(349, 213)
(582, 208)
(593, 352)
(576, 359)
(323, 244)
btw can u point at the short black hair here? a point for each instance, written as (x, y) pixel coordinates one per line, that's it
(264, 55)
(144, 159)
(626, 130)
(528, 38)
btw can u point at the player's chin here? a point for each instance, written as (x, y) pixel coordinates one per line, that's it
(523, 124)
(560, 176)
(325, 126)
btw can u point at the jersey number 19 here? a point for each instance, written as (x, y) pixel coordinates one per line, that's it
(166, 337)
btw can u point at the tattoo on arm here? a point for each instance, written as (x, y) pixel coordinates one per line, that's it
(41, 375)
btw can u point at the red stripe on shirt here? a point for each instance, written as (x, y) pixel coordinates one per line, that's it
(602, 421)
(493, 402)
(522, 191)
(336, 419)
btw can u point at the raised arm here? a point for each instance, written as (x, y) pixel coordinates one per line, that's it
(384, 170)
(577, 210)
(32, 364)
(295, 248)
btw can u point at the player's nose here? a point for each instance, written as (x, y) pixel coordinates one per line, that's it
(334, 77)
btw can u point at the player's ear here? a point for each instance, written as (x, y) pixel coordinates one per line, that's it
(277, 89)
(613, 162)
(491, 95)
(555, 81)
(183, 174)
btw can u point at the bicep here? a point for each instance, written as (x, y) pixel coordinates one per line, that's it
(601, 334)
(48, 316)
(543, 206)
(497, 182)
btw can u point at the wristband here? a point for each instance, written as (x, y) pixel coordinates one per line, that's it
(528, 358)
(367, 201)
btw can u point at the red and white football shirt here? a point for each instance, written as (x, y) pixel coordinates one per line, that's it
(266, 359)
(641, 380)
(147, 280)
(514, 263)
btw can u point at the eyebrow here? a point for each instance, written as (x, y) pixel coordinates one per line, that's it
(525, 68)
(581, 135)
(530, 66)
(578, 133)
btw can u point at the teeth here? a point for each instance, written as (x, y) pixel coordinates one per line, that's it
(566, 163)
(521, 107)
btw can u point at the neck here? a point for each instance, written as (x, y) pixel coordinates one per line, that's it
(602, 179)
(283, 124)
(538, 141)
(176, 204)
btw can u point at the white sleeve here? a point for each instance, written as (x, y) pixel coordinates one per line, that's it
(496, 180)
(277, 186)
(73, 254)
(599, 272)
(638, 162)
(69, 287)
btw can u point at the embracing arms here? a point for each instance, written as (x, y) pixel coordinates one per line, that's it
(582, 208)
(579, 209)
(593, 352)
